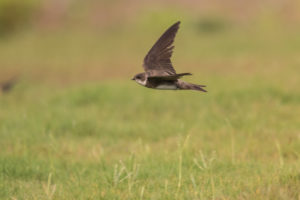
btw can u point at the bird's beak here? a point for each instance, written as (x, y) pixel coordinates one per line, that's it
(132, 79)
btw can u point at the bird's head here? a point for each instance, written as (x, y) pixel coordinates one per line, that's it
(140, 78)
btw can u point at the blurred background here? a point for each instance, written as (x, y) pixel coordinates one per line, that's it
(74, 126)
(71, 41)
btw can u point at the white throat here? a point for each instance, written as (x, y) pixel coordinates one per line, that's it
(143, 83)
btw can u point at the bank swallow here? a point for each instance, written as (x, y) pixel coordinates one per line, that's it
(159, 72)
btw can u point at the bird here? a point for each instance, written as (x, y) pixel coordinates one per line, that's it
(159, 71)
(7, 85)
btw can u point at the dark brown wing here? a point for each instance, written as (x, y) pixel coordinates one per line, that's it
(169, 77)
(158, 59)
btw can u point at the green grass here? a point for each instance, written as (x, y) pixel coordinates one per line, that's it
(66, 135)
(117, 140)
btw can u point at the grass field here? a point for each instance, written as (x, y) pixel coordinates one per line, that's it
(76, 127)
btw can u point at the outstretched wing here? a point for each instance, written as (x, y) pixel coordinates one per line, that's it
(158, 60)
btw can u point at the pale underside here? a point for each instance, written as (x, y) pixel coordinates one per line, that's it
(166, 87)
(160, 87)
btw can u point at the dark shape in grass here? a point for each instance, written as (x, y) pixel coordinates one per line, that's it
(7, 86)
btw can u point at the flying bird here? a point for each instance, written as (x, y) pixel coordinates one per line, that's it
(159, 71)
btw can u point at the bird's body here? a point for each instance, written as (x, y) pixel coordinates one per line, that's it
(160, 84)
(159, 72)
(166, 83)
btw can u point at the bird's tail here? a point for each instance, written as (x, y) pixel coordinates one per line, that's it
(190, 86)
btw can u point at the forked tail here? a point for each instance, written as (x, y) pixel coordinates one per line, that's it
(190, 86)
